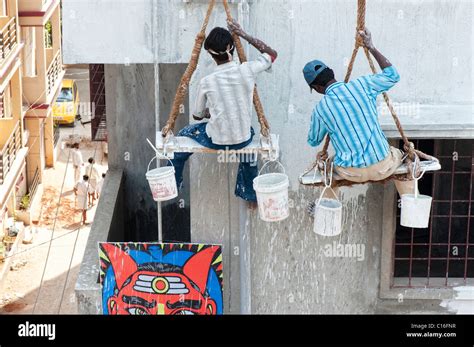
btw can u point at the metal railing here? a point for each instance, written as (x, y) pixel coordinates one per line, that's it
(8, 38)
(34, 184)
(54, 70)
(9, 151)
(440, 256)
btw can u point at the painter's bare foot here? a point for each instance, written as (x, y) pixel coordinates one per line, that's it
(252, 205)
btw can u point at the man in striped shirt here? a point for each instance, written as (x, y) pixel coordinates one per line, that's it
(224, 101)
(348, 113)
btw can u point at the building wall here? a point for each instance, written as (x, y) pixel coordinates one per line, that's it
(130, 100)
(284, 269)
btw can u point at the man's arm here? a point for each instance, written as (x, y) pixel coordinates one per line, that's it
(206, 114)
(235, 28)
(367, 38)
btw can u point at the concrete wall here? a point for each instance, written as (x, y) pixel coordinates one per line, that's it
(130, 100)
(108, 226)
(284, 267)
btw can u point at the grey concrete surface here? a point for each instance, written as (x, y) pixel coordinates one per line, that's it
(130, 100)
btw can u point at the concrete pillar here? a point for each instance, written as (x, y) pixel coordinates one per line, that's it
(33, 159)
(49, 140)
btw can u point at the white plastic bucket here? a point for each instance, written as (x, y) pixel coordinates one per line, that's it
(328, 212)
(416, 207)
(416, 210)
(328, 217)
(272, 195)
(162, 182)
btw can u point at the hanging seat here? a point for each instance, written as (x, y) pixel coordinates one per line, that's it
(317, 178)
(268, 148)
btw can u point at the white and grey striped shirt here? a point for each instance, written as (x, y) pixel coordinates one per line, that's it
(228, 92)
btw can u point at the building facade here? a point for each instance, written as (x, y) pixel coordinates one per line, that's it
(284, 267)
(30, 72)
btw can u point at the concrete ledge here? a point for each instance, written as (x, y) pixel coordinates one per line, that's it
(106, 221)
(431, 121)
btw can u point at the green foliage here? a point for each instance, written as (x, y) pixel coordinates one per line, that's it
(25, 202)
(48, 35)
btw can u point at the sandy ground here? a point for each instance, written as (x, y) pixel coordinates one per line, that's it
(21, 287)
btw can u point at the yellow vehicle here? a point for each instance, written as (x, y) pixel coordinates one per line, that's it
(66, 107)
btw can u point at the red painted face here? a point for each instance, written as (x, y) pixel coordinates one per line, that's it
(160, 288)
(151, 293)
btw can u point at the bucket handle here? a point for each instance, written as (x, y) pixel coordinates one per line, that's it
(270, 161)
(158, 155)
(413, 174)
(327, 181)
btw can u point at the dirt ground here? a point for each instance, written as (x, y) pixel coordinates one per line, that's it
(20, 290)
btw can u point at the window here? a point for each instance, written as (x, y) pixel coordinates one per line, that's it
(442, 255)
(65, 95)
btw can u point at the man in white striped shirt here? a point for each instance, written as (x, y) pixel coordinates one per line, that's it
(224, 98)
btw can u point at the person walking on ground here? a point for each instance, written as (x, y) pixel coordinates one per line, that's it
(348, 113)
(224, 99)
(93, 174)
(82, 189)
(99, 186)
(77, 162)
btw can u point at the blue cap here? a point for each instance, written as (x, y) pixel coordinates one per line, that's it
(310, 72)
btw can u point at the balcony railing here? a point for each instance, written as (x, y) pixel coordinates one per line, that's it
(9, 151)
(54, 71)
(34, 184)
(8, 37)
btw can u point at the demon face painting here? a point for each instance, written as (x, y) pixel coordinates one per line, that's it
(157, 278)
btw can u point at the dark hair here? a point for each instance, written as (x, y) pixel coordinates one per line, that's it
(324, 77)
(218, 40)
(85, 177)
(91, 160)
(76, 145)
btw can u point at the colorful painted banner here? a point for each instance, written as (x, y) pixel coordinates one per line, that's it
(161, 278)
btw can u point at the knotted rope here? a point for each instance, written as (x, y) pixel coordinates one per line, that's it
(191, 68)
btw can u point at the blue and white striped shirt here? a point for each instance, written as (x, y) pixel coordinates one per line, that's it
(348, 112)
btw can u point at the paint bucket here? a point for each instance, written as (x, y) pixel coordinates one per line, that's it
(328, 212)
(272, 195)
(162, 182)
(416, 208)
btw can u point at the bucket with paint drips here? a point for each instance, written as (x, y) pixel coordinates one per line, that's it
(328, 212)
(416, 208)
(162, 180)
(272, 194)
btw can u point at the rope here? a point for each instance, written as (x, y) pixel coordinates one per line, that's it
(184, 83)
(409, 147)
(264, 126)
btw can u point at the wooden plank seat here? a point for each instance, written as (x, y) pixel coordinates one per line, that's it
(268, 149)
